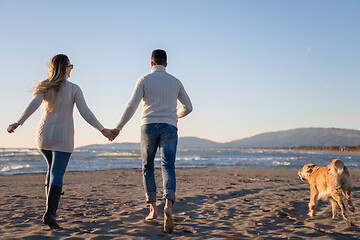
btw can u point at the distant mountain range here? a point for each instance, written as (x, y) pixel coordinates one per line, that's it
(300, 137)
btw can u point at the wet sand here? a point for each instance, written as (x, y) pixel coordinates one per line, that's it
(211, 204)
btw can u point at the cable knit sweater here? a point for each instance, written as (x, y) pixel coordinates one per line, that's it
(56, 129)
(159, 91)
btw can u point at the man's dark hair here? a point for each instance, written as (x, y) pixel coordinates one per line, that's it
(158, 57)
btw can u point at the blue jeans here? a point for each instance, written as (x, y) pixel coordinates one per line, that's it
(163, 136)
(57, 163)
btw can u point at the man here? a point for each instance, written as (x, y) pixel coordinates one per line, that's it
(159, 92)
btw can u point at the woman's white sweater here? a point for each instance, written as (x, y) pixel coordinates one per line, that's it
(56, 129)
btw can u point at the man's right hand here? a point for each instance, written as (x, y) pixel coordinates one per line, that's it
(115, 132)
(108, 134)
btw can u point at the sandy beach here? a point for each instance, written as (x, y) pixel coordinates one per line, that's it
(211, 204)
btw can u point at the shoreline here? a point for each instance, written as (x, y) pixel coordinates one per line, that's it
(302, 150)
(211, 203)
(327, 151)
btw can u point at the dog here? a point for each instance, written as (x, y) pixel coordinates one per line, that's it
(329, 183)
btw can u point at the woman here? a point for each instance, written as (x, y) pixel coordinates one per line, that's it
(55, 133)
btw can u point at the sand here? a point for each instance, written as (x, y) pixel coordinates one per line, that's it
(211, 204)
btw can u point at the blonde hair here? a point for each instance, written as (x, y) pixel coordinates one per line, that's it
(50, 87)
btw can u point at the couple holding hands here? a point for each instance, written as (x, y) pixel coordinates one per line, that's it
(159, 92)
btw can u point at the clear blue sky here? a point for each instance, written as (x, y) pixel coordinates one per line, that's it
(248, 66)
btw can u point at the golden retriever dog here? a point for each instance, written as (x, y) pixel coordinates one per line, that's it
(329, 183)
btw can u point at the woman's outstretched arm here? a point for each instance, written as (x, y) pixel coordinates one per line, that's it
(29, 110)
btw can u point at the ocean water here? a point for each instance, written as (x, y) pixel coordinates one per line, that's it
(25, 160)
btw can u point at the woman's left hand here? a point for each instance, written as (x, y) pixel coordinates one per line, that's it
(12, 127)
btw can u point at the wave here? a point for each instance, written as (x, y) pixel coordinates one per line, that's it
(119, 155)
(30, 154)
(352, 165)
(278, 163)
(191, 158)
(85, 151)
(14, 167)
(13, 152)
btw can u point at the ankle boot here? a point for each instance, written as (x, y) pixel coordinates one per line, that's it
(52, 202)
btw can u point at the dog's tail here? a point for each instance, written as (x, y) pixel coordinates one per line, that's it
(338, 166)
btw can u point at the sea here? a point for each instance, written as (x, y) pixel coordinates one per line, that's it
(29, 160)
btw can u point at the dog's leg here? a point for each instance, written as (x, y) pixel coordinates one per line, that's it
(338, 199)
(347, 194)
(334, 208)
(313, 201)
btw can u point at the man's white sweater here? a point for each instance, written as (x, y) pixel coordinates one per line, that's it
(159, 91)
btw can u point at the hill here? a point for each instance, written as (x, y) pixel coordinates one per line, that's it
(188, 142)
(109, 146)
(301, 137)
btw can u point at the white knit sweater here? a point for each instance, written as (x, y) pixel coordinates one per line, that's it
(159, 91)
(56, 129)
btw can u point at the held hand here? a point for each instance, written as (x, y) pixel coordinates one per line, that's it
(12, 127)
(108, 134)
(115, 132)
